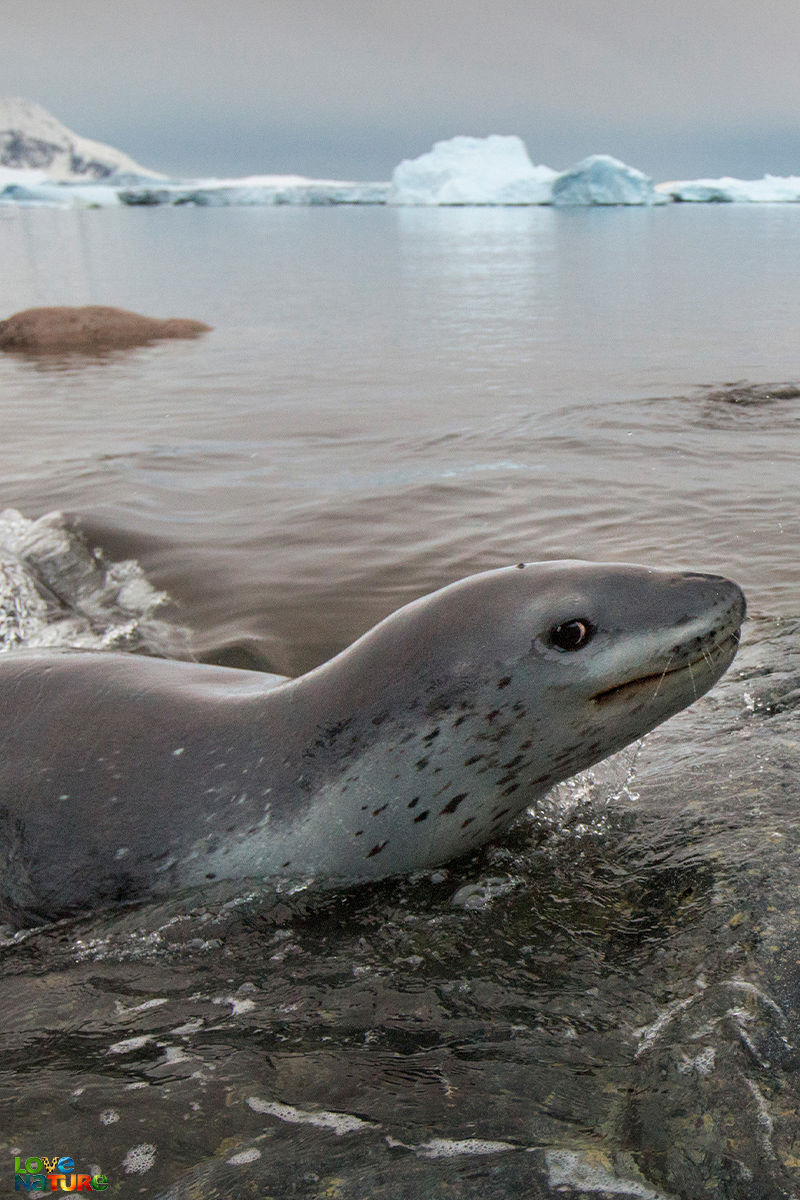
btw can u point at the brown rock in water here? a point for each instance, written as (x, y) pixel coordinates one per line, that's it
(93, 328)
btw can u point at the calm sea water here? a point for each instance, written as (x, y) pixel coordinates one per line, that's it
(607, 1002)
(392, 398)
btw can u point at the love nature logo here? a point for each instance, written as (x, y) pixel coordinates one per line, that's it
(43, 1174)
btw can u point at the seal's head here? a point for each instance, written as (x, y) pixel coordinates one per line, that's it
(478, 698)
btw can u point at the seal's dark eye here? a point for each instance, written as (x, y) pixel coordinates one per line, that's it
(572, 635)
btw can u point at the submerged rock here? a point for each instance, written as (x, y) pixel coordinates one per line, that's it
(88, 329)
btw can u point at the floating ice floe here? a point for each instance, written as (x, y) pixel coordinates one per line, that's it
(34, 188)
(471, 170)
(601, 179)
(43, 192)
(253, 190)
(772, 189)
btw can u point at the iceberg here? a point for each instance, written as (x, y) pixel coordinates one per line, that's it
(43, 163)
(38, 191)
(472, 170)
(253, 190)
(601, 179)
(772, 189)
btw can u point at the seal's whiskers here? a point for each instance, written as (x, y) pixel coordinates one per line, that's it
(664, 674)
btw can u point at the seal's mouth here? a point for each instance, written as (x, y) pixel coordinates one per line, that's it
(708, 661)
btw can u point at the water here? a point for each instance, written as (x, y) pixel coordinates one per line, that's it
(394, 398)
(607, 1002)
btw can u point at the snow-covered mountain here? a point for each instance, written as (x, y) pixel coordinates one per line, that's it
(31, 138)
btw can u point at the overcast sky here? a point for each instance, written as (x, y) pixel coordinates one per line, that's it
(349, 87)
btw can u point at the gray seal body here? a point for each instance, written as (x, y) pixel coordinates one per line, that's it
(125, 776)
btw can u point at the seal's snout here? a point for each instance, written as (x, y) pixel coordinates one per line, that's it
(720, 608)
(716, 593)
(701, 618)
(732, 599)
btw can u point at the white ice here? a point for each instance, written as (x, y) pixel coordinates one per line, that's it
(471, 170)
(772, 189)
(601, 179)
(42, 162)
(255, 190)
(30, 188)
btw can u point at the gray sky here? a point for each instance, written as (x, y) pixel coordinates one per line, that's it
(349, 87)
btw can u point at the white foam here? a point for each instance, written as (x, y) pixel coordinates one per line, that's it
(244, 1157)
(139, 1159)
(568, 1169)
(647, 1034)
(56, 593)
(455, 1148)
(238, 1006)
(129, 1044)
(157, 1002)
(338, 1123)
(479, 895)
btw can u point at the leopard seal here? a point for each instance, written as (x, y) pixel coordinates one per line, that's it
(125, 777)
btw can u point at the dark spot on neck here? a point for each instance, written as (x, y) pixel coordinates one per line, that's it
(413, 803)
(377, 849)
(422, 816)
(504, 682)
